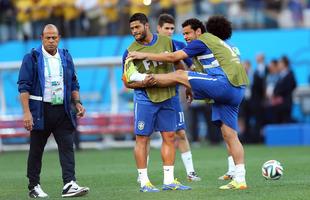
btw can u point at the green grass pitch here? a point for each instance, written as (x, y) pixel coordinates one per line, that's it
(111, 174)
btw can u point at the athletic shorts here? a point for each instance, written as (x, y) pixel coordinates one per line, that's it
(227, 97)
(150, 117)
(179, 113)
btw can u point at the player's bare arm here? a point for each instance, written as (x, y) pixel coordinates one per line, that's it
(180, 65)
(161, 57)
(148, 81)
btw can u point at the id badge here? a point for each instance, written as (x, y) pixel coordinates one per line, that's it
(57, 92)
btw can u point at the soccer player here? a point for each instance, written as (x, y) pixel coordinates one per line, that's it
(166, 26)
(224, 81)
(153, 110)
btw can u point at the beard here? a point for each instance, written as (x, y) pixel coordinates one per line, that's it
(142, 36)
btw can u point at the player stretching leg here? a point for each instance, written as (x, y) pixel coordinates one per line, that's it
(224, 81)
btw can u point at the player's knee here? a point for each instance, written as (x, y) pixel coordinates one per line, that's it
(181, 136)
(230, 136)
(168, 137)
(142, 139)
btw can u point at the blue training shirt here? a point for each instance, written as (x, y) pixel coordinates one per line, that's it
(197, 48)
(179, 46)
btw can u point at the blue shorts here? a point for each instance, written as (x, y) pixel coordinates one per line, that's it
(227, 97)
(179, 112)
(150, 117)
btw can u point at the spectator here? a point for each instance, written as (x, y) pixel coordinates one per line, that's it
(282, 99)
(91, 16)
(24, 30)
(271, 79)
(245, 110)
(184, 10)
(7, 21)
(72, 23)
(111, 14)
(257, 99)
(40, 13)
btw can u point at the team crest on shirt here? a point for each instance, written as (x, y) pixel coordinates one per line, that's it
(141, 125)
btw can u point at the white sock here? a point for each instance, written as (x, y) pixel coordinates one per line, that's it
(231, 166)
(188, 161)
(168, 174)
(143, 176)
(239, 175)
(147, 164)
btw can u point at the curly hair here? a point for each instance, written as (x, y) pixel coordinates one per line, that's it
(219, 26)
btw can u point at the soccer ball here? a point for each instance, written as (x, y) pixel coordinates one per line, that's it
(272, 170)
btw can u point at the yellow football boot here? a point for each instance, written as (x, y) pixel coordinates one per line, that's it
(233, 185)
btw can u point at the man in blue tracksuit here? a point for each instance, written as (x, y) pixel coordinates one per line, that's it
(48, 86)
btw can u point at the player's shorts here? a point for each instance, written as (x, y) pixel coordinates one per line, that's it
(227, 97)
(179, 113)
(150, 117)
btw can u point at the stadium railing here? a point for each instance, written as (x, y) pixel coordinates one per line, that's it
(104, 123)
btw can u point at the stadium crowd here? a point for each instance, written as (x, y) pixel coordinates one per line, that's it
(23, 19)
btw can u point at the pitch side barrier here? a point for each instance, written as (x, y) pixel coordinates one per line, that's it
(105, 124)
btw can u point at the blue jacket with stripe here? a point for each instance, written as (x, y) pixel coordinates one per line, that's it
(31, 79)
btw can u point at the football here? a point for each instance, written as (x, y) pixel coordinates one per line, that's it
(272, 170)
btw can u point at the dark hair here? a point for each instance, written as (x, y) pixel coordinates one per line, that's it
(195, 24)
(285, 60)
(139, 17)
(165, 18)
(219, 26)
(274, 61)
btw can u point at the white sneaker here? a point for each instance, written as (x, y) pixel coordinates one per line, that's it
(72, 189)
(37, 192)
(193, 176)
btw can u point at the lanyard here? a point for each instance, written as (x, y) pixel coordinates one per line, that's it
(49, 69)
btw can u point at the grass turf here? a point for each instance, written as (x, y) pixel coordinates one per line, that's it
(111, 174)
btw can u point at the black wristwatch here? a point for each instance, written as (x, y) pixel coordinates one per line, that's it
(76, 102)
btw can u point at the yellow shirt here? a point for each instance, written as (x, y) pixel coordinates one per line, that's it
(184, 6)
(57, 6)
(216, 1)
(165, 4)
(41, 9)
(23, 10)
(70, 10)
(109, 9)
(138, 6)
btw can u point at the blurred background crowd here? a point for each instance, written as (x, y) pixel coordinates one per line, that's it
(277, 66)
(23, 19)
